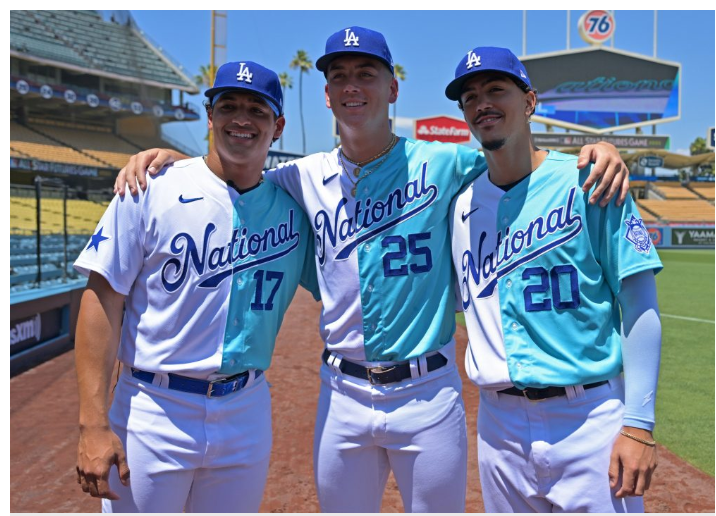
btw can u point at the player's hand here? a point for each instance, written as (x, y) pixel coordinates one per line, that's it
(610, 168)
(98, 450)
(632, 463)
(134, 172)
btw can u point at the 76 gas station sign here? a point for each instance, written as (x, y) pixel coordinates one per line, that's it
(596, 27)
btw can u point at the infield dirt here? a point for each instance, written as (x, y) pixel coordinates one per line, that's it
(43, 439)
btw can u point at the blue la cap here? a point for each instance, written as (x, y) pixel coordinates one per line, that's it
(486, 59)
(356, 40)
(248, 76)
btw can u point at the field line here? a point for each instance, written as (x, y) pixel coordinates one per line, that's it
(694, 319)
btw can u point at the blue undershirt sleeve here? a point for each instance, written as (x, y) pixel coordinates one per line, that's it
(641, 347)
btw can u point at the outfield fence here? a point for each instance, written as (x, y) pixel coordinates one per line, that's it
(682, 237)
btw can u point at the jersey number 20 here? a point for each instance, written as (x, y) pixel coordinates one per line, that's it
(547, 279)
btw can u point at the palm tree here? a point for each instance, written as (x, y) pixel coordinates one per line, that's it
(206, 76)
(286, 84)
(400, 74)
(205, 79)
(304, 64)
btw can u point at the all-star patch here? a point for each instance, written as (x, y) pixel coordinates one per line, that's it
(638, 235)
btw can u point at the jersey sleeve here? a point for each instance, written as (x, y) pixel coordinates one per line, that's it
(309, 273)
(288, 176)
(469, 163)
(623, 245)
(116, 249)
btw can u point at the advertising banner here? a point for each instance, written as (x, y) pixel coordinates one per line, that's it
(683, 237)
(442, 129)
(28, 332)
(627, 141)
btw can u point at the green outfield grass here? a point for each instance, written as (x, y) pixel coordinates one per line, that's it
(685, 401)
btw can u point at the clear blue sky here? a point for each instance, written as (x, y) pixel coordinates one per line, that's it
(429, 45)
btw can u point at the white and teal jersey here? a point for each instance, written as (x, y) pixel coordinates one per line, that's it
(383, 255)
(538, 271)
(208, 273)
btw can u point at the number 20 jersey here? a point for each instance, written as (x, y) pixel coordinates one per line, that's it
(208, 273)
(538, 271)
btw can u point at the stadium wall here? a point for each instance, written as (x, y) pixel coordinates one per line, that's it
(42, 324)
(682, 237)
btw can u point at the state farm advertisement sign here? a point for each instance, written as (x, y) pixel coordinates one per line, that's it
(442, 129)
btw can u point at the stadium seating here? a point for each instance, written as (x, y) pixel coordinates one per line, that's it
(671, 191)
(102, 145)
(84, 39)
(705, 190)
(82, 216)
(26, 143)
(679, 210)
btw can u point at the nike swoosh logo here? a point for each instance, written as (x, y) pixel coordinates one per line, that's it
(326, 181)
(186, 201)
(466, 215)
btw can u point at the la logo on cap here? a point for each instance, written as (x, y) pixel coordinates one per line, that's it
(244, 73)
(472, 60)
(351, 38)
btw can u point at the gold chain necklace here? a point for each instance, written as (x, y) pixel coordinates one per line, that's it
(360, 164)
(385, 153)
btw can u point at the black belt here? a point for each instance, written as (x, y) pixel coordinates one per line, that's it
(382, 375)
(210, 389)
(533, 394)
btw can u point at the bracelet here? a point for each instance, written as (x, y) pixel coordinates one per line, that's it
(638, 439)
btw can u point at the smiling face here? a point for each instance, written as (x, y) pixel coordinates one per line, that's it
(496, 109)
(359, 90)
(243, 126)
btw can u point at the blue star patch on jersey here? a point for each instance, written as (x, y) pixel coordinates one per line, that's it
(97, 239)
(638, 235)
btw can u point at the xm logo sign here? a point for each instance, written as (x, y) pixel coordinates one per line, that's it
(29, 329)
(244, 74)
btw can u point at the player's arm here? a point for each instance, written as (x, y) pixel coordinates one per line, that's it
(134, 173)
(96, 344)
(609, 169)
(633, 462)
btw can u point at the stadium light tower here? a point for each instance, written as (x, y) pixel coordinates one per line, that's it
(218, 47)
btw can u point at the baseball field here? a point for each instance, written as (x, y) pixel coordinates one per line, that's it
(43, 411)
(685, 401)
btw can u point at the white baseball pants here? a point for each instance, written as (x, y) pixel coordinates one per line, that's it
(551, 455)
(189, 453)
(416, 428)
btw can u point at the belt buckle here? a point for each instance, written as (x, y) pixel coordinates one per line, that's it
(537, 400)
(377, 370)
(223, 381)
(210, 389)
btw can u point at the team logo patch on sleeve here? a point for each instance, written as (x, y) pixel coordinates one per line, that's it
(97, 239)
(638, 235)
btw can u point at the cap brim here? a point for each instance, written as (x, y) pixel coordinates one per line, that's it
(210, 93)
(323, 61)
(454, 89)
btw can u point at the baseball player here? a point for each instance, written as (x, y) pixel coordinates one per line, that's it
(390, 395)
(542, 275)
(205, 265)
